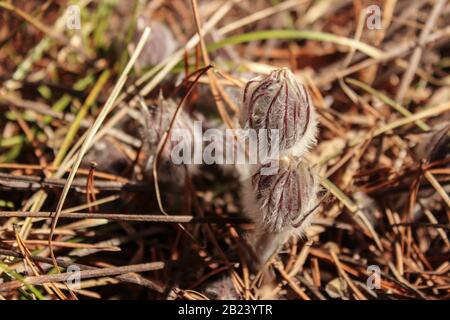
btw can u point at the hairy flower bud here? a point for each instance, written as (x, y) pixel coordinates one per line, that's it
(222, 289)
(157, 120)
(280, 101)
(281, 205)
(284, 201)
(160, 44)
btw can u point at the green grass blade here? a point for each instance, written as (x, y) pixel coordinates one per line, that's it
(297, 35)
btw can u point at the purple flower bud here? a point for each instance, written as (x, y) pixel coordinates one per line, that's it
(157, 120)
(283, 202)
(280, 101)
(159, 46)
(222, 289)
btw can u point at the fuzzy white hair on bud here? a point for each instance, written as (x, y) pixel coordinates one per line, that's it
(280, 101)
(284, 201)
(281, 204)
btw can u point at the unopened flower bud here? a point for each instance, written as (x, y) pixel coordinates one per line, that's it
(285, 201)
(222, 289)
(160, 44)
(157, 120)
(279, 101)
(281, 205)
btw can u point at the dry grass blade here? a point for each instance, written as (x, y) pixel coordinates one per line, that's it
(342, 272)
(415, 58)
(144, 217)
(164, 140)
(347, 202)
(84, 274)
(91, 133)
